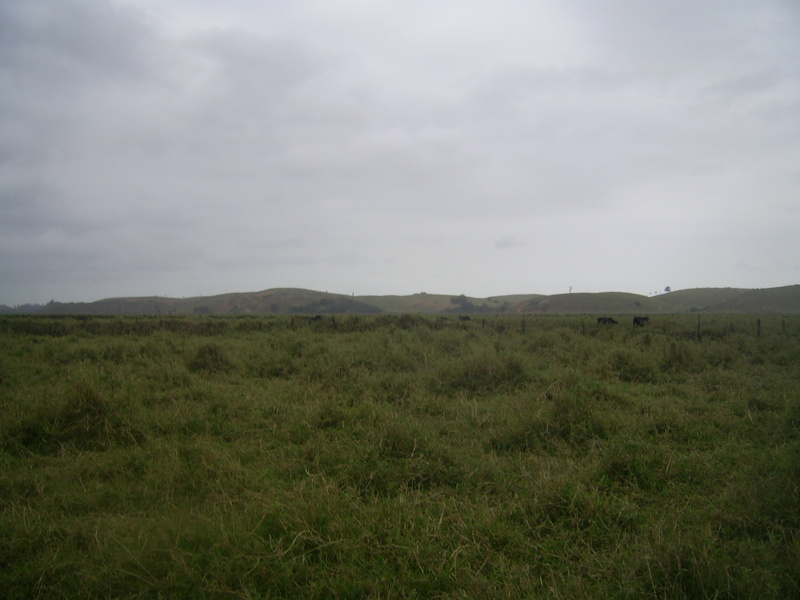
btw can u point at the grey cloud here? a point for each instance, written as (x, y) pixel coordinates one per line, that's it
(71, 41)
(240, 145)
(508, 242)
(745, 85)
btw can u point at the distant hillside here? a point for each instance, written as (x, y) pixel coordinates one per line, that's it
(442, 304)
(698, 300)
(604, 302)
(275, 301)
(24, 309)
(782, 300)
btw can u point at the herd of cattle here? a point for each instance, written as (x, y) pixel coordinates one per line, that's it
(637, 321)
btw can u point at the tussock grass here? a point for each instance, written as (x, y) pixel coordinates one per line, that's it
(211, 359)
(398, 457)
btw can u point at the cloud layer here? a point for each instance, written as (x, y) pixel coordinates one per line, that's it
(193, 148)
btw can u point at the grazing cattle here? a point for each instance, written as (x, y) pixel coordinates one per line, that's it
(640, 321)
(606, 321)
(464, 318)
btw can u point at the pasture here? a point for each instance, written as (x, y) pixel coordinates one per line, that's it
(400, 457)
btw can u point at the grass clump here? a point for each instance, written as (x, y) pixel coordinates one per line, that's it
(84, 420)
(568, 424)
(211, 359)
(482, 372)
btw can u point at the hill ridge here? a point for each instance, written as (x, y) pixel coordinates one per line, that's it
(300, 301)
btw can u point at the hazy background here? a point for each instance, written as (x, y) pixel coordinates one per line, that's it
(196, 147)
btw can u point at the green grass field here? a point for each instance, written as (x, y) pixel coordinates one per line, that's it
(399, 457)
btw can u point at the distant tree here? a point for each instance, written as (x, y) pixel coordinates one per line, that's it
(462, 303)
(667, 289)
(460, 300)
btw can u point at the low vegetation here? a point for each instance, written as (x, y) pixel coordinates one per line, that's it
(399, 457)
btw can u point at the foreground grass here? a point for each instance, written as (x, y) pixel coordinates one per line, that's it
(399, 457)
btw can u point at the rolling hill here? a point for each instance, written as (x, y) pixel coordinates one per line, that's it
(781, 300)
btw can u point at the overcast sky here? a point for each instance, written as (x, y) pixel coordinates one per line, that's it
(198, 147)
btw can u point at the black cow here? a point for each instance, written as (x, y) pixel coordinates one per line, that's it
(606, 321)
(640, 321)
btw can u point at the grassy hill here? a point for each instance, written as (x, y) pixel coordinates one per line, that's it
(697, 300)
(282, 301)
(782, 300)
(443, 304)
(605, 302)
